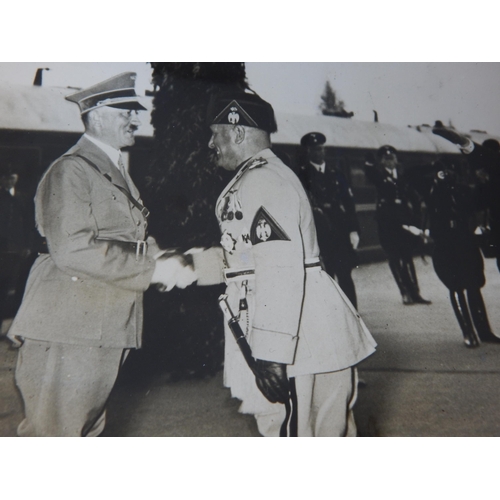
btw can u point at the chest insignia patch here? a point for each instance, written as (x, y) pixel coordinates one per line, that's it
(265, 228)
(227, 242)
(245, 238)
(231, 208)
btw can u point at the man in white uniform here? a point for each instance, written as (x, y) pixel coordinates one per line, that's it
(304, 334)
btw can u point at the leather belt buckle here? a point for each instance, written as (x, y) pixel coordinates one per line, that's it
(141, 247)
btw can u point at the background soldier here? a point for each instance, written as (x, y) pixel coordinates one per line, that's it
(397, 221)
(487, 157)
(456, 256)
(15, 238)
(334, 212)
(304, 333)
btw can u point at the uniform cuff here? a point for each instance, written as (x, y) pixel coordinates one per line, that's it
(468, 148)
(208, 266)
(273, 346)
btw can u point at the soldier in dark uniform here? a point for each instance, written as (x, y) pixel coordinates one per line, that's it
(14, 237)
(397, 221)
(456, 255)
(487, 157)
(334, 212)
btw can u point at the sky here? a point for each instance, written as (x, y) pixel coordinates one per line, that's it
(467, 94)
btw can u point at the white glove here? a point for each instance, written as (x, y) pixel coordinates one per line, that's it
(413, 230)
(354, 237)
(173, 270)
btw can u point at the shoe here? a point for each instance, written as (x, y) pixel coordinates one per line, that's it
(488, 337)
(471, 342)
(420, 300)
(407, 300)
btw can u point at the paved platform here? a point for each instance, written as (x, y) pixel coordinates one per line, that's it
(422, 381)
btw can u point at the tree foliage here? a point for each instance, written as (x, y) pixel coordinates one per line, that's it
(183, 328)
(331, 105)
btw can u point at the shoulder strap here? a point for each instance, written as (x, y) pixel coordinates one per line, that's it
(137, 204)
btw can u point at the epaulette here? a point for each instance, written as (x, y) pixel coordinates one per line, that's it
(258, 162)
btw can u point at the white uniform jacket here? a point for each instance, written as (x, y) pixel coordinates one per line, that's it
(269, 259)
(88, 290)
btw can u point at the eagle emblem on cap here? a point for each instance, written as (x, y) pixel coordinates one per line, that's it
(233, 117)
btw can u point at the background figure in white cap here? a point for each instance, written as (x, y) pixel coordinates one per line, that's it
(304, 334)
(82, 309)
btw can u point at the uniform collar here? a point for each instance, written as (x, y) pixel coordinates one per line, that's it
(264, 154)
(319, 168)
(114, 154)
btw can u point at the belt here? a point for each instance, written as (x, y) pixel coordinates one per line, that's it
(139, 247)
(249, 274)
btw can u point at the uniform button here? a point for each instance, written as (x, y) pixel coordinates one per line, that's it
(74, 278)
(138, 222)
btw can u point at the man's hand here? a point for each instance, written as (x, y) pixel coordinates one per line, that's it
(272, 380)
(354, 237)
(173, 270)
(413, 230)
(449, 134)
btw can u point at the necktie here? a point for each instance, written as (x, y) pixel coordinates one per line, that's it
(124, 172)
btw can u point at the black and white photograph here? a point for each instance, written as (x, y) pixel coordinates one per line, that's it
(206, 249)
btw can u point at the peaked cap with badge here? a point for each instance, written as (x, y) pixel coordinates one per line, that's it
(313, 139)
(117, 92)
(84, 294)
(241, 108)
(386, 151)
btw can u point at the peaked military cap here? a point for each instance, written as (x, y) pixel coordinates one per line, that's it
(241, 108)
(492, 144)
(117, 92)
(386, 150)
(312, 139)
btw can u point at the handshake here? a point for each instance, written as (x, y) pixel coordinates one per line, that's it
(173, 269)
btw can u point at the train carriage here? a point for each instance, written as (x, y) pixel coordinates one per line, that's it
(37, 125)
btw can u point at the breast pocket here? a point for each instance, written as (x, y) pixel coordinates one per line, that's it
(111, 211)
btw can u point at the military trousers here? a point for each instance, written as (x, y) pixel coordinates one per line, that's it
(65, 387)
(324, 402)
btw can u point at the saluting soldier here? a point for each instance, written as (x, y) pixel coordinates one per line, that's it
(456, 256)
(334, 212)
(304, 334)
(482, 156)
(397, 221)
(82, 309)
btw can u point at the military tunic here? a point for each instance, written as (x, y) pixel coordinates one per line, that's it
(291, 310)
(83, 301)
(335, 219)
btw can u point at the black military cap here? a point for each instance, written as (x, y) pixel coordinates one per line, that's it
(117, 92)
(386, 150)
(492, 144)
(312, 139)
(241, 108)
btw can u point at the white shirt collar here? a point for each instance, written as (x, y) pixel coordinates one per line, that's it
(319, 168)
(114, 154)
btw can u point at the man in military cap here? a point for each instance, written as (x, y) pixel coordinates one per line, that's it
(397, 221)
(15, 237)
(334, 212)
(305, 336)
(82, 309)
(484, 156)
